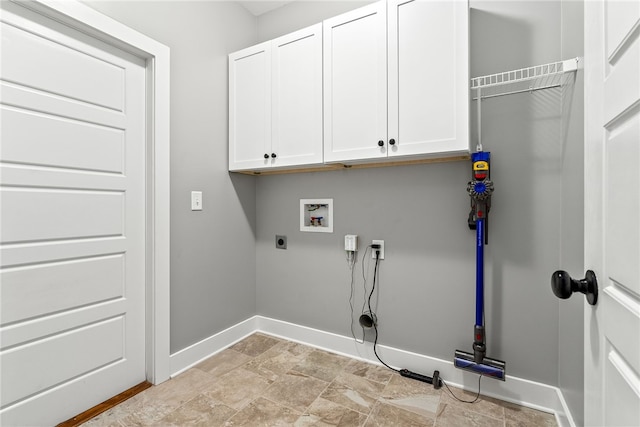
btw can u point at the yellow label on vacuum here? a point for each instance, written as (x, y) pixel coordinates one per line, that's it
(481, 166)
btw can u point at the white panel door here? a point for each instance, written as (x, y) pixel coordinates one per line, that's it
(428, 48)
(297, 98)
(72, 227)
(355, 85)
(612, 206)
(250, 108)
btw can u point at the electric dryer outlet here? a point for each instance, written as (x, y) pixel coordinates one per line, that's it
(373, 251)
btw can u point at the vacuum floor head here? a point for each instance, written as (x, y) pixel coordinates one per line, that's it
(491, 368)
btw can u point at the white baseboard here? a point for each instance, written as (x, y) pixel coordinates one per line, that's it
(564, 417)
(196, 353)
(516, 390)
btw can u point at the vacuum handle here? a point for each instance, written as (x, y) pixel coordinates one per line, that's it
(480, 272)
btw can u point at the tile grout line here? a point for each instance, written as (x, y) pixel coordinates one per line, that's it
(261, 395)
(237, 411)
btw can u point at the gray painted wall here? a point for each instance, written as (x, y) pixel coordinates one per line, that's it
(213, 251)
(571, 325)
(426, 292)
(224, 267)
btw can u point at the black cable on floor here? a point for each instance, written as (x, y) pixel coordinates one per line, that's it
(375, 341)
(462, 400)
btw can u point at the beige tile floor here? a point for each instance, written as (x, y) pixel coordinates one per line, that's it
(265, 381)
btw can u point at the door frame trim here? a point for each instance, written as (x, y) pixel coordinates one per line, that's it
(157, 60)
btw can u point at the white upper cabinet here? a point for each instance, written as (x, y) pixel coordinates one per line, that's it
(297, 98)
(396, 81)
(387, 81)
(355, 91)
(275, 102)
(250, 107)
(428, 54)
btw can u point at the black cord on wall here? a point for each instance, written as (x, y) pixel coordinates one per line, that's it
(375, 327)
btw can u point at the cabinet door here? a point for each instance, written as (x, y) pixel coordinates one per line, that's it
(355, 85)
(297, 98)
(250, 107)
(428, 46)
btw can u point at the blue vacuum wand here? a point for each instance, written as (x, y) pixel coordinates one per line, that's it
(480, 188)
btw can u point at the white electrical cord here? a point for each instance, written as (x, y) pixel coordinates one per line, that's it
(352, 258)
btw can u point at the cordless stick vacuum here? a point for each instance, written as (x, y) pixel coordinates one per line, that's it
(480, 188)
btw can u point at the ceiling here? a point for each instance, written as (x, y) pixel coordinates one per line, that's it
(258, 7)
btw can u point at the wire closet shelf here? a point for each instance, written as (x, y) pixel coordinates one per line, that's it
(539, 75)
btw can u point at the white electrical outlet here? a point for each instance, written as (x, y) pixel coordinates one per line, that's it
(373, 251)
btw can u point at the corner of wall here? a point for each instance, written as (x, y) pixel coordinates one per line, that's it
(571, 324)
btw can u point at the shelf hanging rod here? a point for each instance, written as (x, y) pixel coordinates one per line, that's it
(531, 89)
(525, 74)
(479, 146)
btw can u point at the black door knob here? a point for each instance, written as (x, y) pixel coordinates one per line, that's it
(392, 141)
(273, 155)
(380, 143)
(266, 156)
(563, 285)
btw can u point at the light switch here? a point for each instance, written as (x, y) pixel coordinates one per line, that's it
(196, 200)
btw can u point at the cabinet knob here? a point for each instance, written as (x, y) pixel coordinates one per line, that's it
(392, 141)
(266, 156)
(273, 155)
(381, 143)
